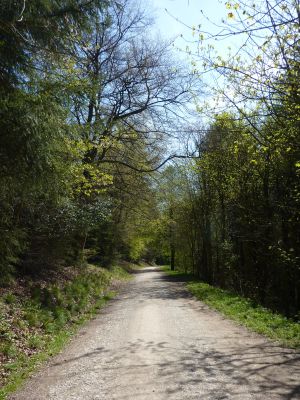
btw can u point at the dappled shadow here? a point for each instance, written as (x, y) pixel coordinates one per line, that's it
(175, 278)
(179, 355)
(156, 288)
(145, 270)
(256, 372)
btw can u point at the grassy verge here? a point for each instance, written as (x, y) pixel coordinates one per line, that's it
(255, 317)
(37, 323)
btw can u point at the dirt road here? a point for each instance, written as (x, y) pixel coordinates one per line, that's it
(154, 342)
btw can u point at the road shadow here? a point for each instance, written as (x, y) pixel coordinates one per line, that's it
(160, 287)
(180, 277)
(263, 371)
(145, 270)
(178, 362)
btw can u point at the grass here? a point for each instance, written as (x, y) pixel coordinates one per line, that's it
(244, 311)
(38, 325)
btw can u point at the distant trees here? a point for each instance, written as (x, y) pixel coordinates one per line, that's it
(236, 216)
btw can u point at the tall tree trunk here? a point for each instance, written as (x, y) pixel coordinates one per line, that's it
(172, 240)
(172, 257)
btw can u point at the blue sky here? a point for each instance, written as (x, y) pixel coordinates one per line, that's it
(188, 11)
(207, 13)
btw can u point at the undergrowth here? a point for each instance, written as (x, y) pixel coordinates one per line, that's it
(245, 311)
(37, 324)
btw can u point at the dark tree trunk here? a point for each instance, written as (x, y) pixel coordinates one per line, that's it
(172, 240)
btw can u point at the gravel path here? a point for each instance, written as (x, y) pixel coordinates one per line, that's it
(154, 341)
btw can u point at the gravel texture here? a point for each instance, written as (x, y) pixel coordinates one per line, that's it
(155, 341)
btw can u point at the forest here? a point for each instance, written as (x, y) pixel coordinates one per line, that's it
(92, 108)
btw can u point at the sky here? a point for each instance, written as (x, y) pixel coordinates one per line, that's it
(170, 24)
(187, 11)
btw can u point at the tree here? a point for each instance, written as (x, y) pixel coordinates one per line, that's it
(85, 103)
(29, 29)
(132, 89)
(231, 230)
(261, 71)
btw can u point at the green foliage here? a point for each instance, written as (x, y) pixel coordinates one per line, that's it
(45, 319)
(35, 342)
(251, 315)
(247, 171)
(245, 311)
(9, 298)
(63, 145)
(52, 307)
(26, 29)
(236, 213)
(137, 249)
(31, 166)
(8, 349)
